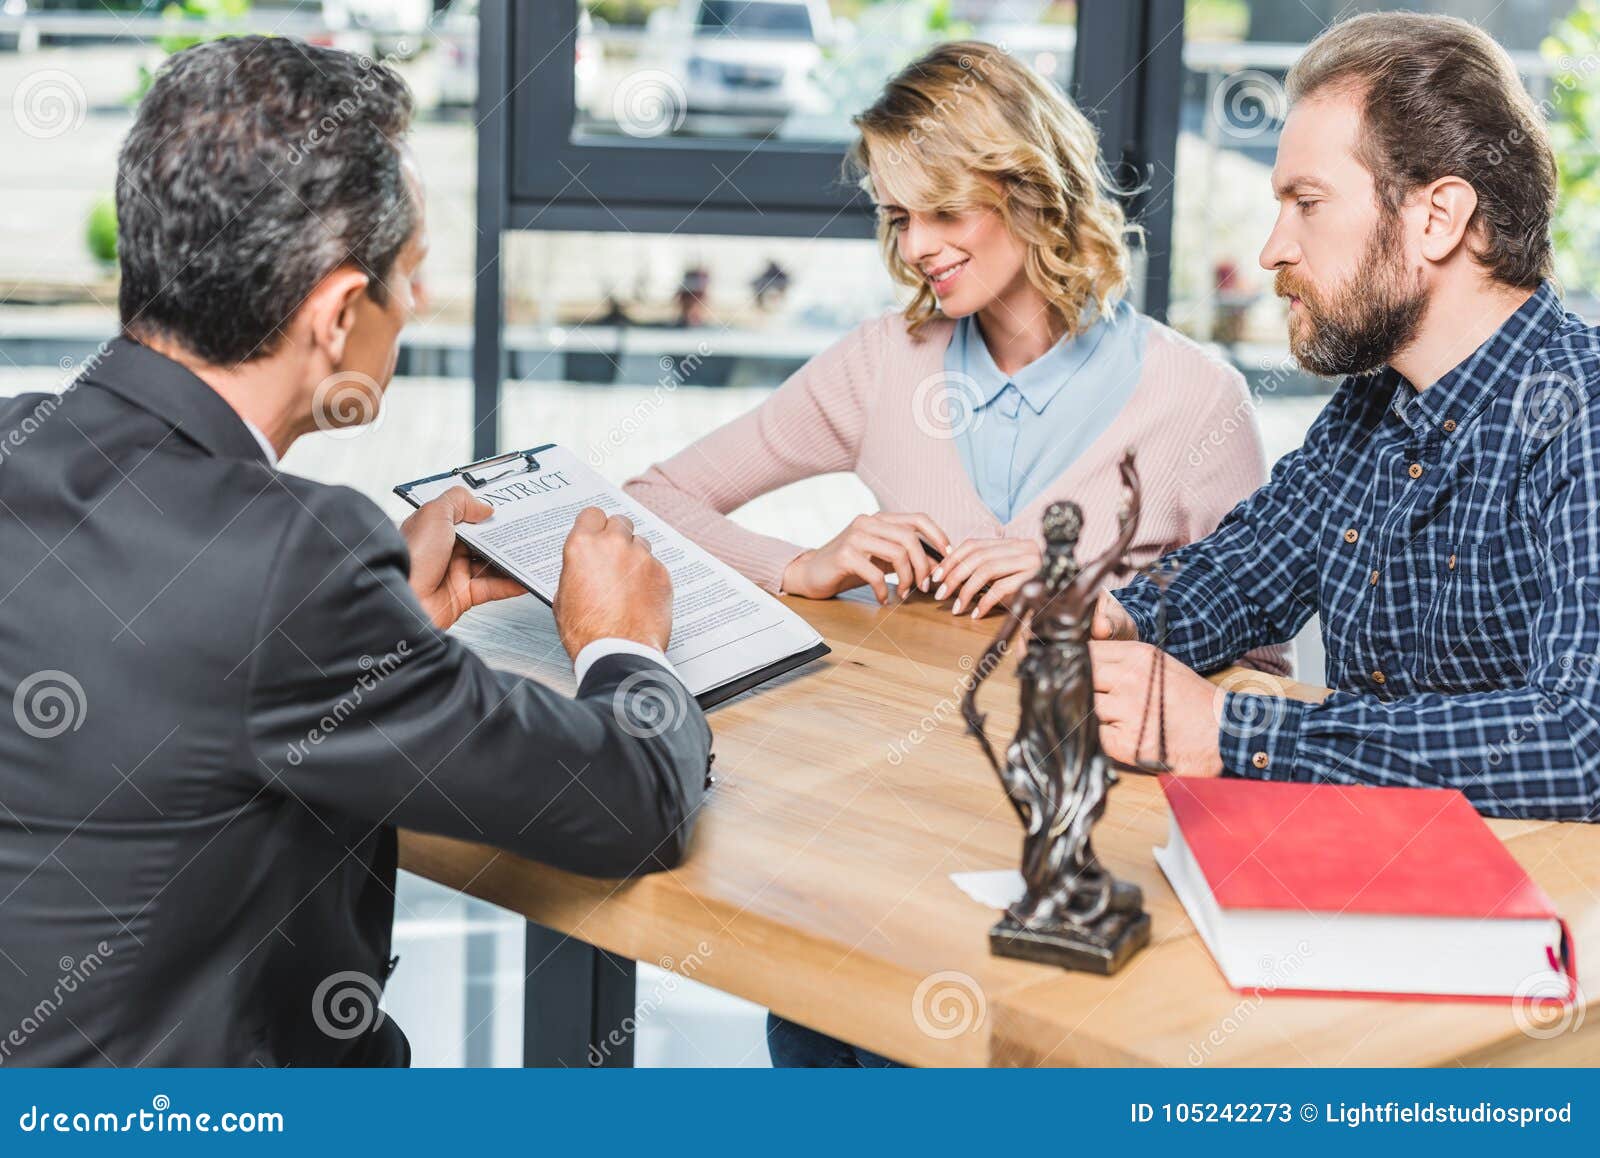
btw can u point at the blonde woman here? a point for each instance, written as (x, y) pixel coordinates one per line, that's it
(1016, 375)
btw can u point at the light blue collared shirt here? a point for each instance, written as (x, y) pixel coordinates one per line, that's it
(1017, 433)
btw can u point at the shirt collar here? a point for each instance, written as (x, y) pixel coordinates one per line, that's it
(266, 447)
(1042, 379)
(170, 391)
(1495, 365)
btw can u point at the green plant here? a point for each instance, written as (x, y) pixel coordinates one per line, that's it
(1573, 109)
(623, 13)
(219, 11)
(102, 231)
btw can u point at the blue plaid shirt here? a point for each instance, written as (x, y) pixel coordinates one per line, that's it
(1450, 542)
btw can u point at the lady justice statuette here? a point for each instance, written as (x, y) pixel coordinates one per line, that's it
(1074, 912)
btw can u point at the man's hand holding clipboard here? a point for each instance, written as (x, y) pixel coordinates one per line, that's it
(447, 579)
(632, 575)
(612, 586)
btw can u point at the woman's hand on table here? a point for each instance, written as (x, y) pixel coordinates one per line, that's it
(867, 551)
(1001, 565)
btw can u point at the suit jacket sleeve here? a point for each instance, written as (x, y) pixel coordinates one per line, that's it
(360, 705)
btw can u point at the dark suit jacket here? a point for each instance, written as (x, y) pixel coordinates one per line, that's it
(226, 699)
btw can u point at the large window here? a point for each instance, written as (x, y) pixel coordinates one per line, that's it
(782, 69)
(731, 116)
(1236, 54)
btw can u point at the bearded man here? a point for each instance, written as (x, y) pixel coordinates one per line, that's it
(1442, 518)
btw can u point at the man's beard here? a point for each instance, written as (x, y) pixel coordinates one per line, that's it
(1360, 325)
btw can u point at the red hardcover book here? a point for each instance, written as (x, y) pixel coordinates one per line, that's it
(1344, 889)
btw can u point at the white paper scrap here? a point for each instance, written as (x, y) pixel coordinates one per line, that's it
(997, 888)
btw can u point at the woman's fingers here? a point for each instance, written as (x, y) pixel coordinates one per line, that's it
(858, 564)
(904, 550)
(955, 567)
(986, 569)
(953, 559)
(1000, 592)
(930, 531)
(1017, 555)
(887, 550)
(910, 552)
(899, 542)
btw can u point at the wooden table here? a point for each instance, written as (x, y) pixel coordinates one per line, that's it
(818, 885)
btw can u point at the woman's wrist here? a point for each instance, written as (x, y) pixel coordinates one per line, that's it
(791, 583)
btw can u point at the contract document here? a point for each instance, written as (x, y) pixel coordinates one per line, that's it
(728, 635)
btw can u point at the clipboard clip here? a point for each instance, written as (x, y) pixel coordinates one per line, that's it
(525, 462)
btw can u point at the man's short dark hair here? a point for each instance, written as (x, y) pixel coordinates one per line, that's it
(1440, 98)
(255, 167)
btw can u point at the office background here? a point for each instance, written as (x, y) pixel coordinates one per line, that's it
(659, 236)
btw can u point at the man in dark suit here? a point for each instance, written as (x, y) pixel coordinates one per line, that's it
(231, 685)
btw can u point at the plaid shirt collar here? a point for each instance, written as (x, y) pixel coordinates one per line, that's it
(1467, 389)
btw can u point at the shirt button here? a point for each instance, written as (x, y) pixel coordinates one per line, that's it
(1351, 535)
(1261, 759)
(1378, 677)
(1414, 470)
(1374, 579)
(1450, 564)
(1449, 425)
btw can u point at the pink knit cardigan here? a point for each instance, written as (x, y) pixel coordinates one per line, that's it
(874, 403)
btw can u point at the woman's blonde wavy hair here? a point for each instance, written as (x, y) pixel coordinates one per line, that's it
(965, 127)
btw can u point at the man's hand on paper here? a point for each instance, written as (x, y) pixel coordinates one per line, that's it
(863, 551)
(447, 580)
(1122, 687)
(612, 587)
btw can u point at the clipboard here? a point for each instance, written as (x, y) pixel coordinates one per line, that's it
(480, 473)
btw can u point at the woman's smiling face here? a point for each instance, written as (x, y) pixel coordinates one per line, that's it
(968, 257)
